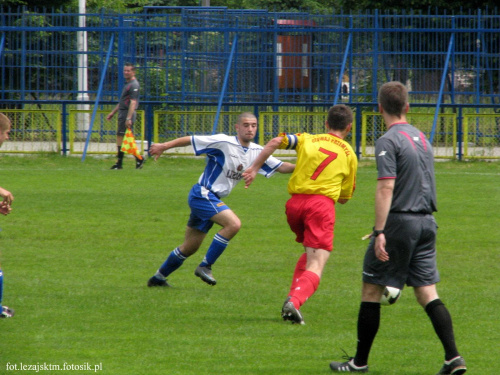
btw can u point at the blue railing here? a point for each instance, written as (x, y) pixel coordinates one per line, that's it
(182, 54)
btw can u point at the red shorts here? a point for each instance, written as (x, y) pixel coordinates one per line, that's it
(312, 219)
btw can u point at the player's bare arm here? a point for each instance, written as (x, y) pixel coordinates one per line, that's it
(158, 148)
(383, 199)
(112, 113)
(131, 109)
(7, 200)
(7, 196)
(268, 150)
(286, 167)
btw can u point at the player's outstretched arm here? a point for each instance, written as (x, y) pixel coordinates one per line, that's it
(112, 113)
(286, 167)
(267, 151)
(249, 175)
(158, 148)
(7, 200)
(7, 196)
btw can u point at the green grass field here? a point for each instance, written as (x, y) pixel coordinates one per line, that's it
(82, 241)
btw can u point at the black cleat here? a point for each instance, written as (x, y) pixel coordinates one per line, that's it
(454, 367)
(283, 308)
(157, 282)
(117, 166)
(6, 312)
(289, 312)
(139, 163)
(205, 273)
(348, 366)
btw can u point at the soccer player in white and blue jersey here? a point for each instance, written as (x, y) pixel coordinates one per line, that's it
(227, 159)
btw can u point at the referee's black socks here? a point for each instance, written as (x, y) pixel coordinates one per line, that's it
(368, 324)
(441, 321)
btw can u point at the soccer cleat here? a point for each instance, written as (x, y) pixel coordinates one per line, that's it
(117, 166)
(205, 273)
(348, 366)
(283, 308)
(454, 367)
(157, 282)
(289, 312)
(6, 312)
(139, 163)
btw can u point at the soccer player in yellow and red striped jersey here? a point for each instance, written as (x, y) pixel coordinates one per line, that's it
(325, 173)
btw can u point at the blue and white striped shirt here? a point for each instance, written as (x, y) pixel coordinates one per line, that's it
(227, 159)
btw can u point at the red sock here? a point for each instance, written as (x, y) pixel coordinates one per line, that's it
(299, 270)
(305, 288)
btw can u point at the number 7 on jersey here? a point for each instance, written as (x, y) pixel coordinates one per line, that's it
(331, 156)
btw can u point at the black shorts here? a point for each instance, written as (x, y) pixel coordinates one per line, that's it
(122, 126)
(411, 245)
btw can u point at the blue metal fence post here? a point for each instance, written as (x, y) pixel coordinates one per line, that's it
(121, 53)
(64, 128)
(443, 82)
(275, 62)
(256, 113)
(478, 72)
(23, 61)
(460, 132)
(224, 85)
(478, 59)
(2, 42)
(98, 96)
(375, 59)
(184, 62)
(342, 69)
(350, 60)
(359, 120)
(149, 124)
(2, 67)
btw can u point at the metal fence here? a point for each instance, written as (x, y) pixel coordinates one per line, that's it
(193, 58)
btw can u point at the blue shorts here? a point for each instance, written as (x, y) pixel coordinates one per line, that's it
(204, 205)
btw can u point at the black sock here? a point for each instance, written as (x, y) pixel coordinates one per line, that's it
(368, 323)
(120, 155)
(441, 321)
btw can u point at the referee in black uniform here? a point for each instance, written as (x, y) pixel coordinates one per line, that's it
(126, 108)
(402, 249)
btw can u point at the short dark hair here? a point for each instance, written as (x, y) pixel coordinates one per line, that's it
(245, 115)
(393, 97)
(339, 117)
(132, 66)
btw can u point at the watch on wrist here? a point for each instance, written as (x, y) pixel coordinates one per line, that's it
(376, 233)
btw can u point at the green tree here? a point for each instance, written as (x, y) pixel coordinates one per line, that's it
(280, 5)
(31, 4)
(312, 6)
(422, 5)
